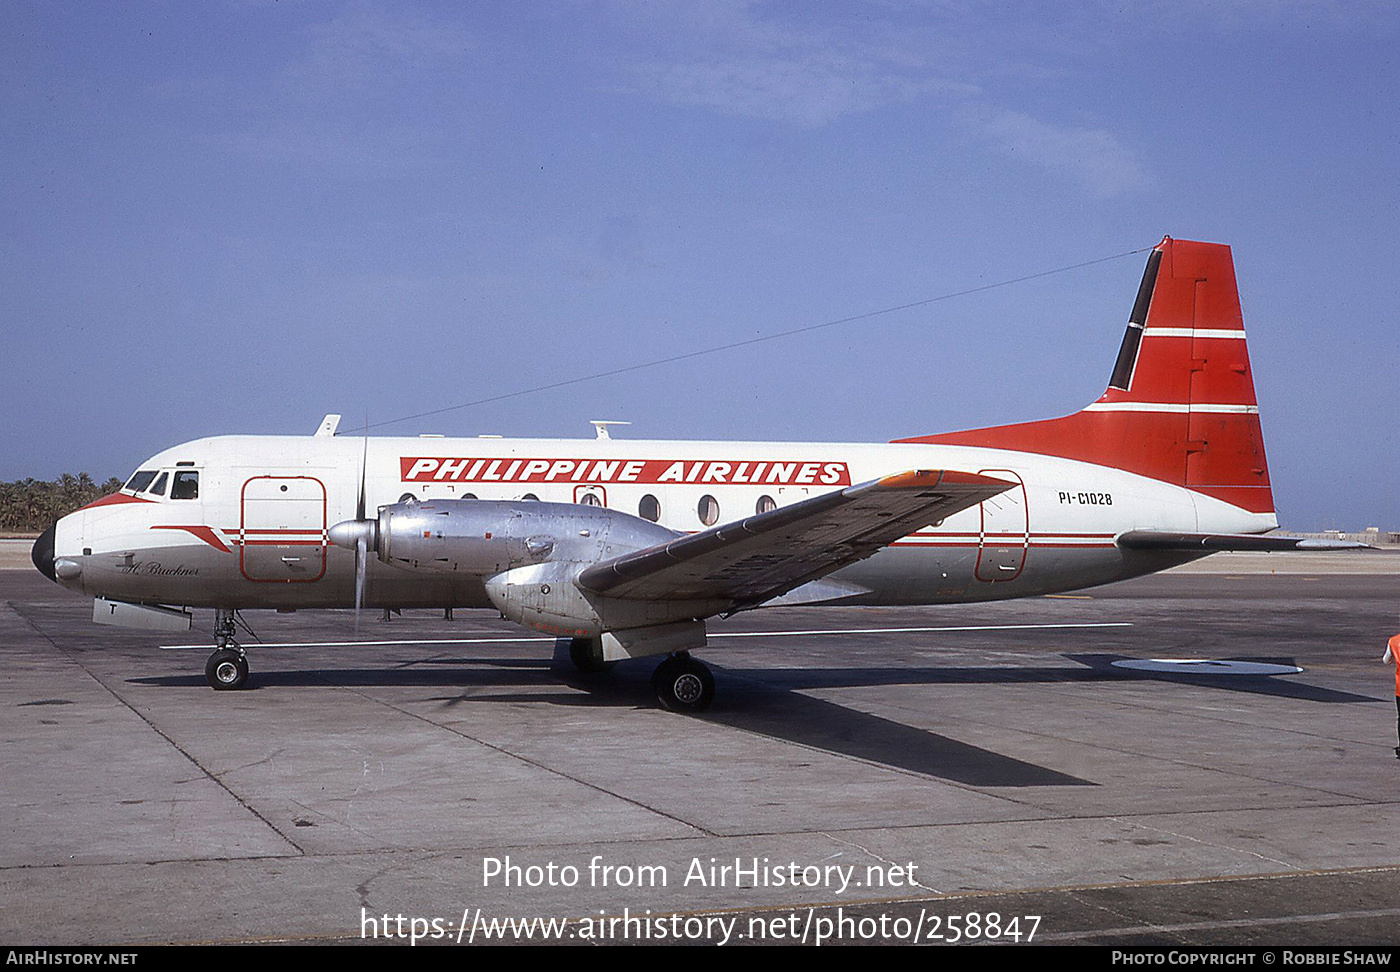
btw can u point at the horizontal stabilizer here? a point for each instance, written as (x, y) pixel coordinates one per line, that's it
(769, 554)
(1157, 540)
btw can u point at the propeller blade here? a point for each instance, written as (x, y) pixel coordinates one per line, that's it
(361, 556)
(364, 461)
(359, 529)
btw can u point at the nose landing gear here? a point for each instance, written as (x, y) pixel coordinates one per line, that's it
(227, 667)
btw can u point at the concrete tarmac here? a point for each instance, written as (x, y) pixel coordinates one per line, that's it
(877, 782)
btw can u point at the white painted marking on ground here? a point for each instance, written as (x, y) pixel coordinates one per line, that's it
(374, 644)
(718, 634)
(1205, 666)
(962, 627)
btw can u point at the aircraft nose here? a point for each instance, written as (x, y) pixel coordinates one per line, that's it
(42, 553)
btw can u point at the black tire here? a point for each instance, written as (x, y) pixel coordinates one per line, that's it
(226, 670)
(587, 655)
(683, 684)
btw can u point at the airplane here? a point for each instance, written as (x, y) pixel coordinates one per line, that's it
(624, 548)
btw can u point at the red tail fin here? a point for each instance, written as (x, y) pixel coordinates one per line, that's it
(1180, 405)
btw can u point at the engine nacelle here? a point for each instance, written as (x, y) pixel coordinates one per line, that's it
(531, 554)
(545, 597)
(486, 537)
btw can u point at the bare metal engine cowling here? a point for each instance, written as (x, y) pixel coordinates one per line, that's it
(530, 554)
(485, 537)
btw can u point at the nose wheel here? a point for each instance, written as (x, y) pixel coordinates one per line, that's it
(227, 667)
(683, 684)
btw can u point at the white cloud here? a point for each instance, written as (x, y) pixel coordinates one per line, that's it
(1092, 157)
(365, 45)
(742, 58)
(738, 58)
(809, 89)
(1252, 15)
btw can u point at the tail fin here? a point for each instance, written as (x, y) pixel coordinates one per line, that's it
(1180, 403)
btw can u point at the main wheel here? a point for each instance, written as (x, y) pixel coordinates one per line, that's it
(226, 669)
(683, 684)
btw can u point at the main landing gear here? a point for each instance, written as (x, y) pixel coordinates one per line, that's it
(227, 667)
(683, 684)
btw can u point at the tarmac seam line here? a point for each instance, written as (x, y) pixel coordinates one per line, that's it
(525, 759)
(1224, 923)
(159, 732)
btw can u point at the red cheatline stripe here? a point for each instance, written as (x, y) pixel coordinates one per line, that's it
(115, 499)
(287, 532)
(202, 532)
(286, 542)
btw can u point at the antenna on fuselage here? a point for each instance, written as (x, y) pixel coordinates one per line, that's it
(600, 426)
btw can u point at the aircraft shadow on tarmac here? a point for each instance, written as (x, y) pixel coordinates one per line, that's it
(770, 702)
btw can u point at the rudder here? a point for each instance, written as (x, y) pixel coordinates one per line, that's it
(1180, 406)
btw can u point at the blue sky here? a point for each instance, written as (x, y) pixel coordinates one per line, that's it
(236, 217)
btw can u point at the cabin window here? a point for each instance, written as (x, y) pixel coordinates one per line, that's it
(764, 504)
(158, 488)
(708, 510)
(530, 496)
(186, 485)
(590, 499)
(140, 480)
(649, 508)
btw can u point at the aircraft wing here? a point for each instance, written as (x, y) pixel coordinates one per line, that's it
(766, 555)
(1159, 540)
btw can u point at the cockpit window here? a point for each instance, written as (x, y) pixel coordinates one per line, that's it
(186, 485)
(158, 489)
(140, 480)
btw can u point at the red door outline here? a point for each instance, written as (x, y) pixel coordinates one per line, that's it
(264, 537)
(1008, 544)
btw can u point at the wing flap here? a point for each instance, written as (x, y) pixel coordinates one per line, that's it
(768, 554)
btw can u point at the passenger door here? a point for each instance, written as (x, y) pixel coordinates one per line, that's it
(282, 529)
(1001, 550)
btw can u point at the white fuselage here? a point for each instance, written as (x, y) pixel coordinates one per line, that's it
(255, 535)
